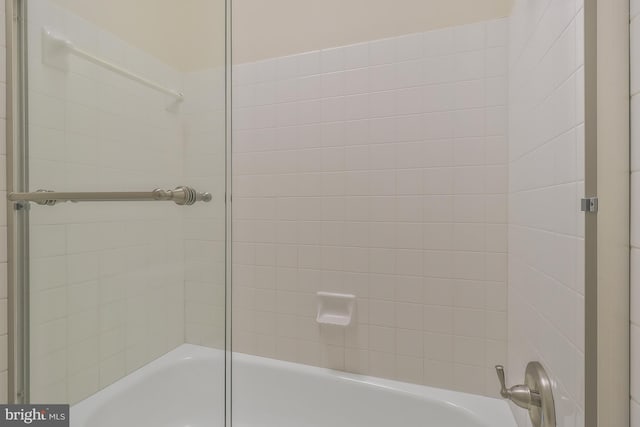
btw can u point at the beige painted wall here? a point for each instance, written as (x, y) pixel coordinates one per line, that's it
(187, 34)
(271, 28)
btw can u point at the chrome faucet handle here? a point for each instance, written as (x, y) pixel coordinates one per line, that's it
(519, 394)
(535, 395)
(503, 387)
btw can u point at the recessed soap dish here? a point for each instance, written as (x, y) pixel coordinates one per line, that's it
(335, 309)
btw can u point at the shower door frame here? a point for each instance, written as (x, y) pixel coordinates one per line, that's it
(228, 412)
(17, 178)
(607, 231)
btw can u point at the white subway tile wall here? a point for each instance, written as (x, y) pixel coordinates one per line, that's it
(546, 173)
(378, 169)
(117, 285)
(4, 351)
(635, 213)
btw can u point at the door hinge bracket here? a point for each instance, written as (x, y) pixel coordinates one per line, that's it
(22, 206)
(589, 205)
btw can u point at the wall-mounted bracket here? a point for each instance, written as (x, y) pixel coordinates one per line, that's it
(21, 206)
(589, 205)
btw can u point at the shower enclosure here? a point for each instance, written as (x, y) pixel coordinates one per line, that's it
(414, 203)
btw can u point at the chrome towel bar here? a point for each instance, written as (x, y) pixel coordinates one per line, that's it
(181, 196)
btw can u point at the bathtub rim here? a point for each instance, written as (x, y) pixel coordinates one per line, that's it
(487, 409)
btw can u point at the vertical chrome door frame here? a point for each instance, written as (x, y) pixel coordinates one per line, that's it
(17, 214)
(228, 211)
(607, 246)
(591, 223)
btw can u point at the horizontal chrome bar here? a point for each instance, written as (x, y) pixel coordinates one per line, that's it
(181, 196)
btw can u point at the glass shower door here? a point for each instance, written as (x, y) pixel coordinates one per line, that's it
(124, 260)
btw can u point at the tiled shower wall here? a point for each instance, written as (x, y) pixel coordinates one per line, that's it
(635, 213)
(546, 173)
(378, 169)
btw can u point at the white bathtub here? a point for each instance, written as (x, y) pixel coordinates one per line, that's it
(185, 388)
